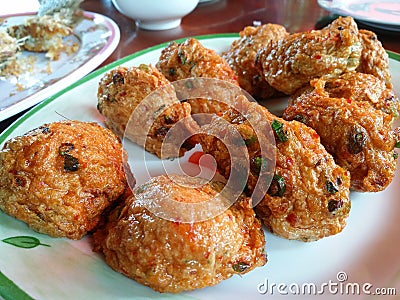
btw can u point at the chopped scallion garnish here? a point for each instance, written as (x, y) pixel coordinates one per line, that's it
(278, 186)
(278, 128)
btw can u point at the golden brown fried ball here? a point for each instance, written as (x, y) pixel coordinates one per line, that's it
(60, 177)
(357, 135)
(291, 62)
(122, 90)
(170, 256)
(243, 54)
(191, 59)
(208, 96)
(308, 198)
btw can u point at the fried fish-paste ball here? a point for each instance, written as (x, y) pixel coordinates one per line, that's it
(122, 90)
(191, 59)
(243, 54)
(357, 135)
(291, 62)
(171, 256)
(308, 198)
(60, 177)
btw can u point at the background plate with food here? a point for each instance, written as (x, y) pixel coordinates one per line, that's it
(95, 37)
(379, 14)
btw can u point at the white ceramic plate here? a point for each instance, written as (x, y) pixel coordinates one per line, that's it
(367, 251)
(383, 14)
(97, 37)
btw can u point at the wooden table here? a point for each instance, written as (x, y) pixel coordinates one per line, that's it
(219, 16)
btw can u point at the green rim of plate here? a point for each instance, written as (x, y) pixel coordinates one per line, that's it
(10, 291)
(393, 55)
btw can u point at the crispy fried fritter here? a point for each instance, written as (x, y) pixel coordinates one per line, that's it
(291, 62)
(60, 177)
(357, 135)
(122, 90)
(173, 256)
(243, 54)
(208, 96)
(308, 198)
(191, 59)
(356, 86)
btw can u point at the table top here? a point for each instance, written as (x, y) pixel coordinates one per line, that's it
(220, 16)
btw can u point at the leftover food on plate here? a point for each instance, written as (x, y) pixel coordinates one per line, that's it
(244, 52)
(41, 33)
